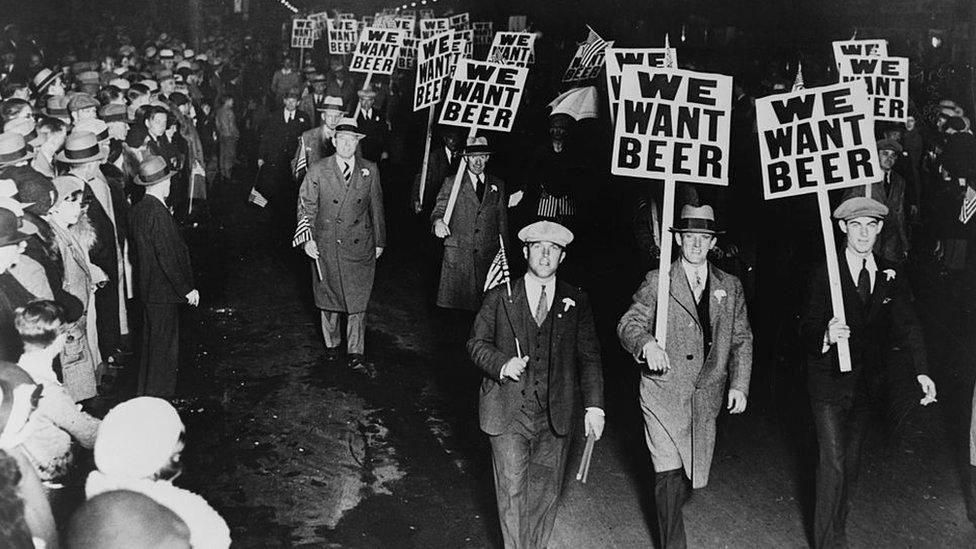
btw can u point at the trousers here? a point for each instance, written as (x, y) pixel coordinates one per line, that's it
(159, 357)
(355, 331)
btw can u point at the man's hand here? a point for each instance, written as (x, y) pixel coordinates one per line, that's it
(441, 230)
(913, 211)
(311, 250)
(379, 252)
(417, 206)
(593, 422)
(513, 368)
(260, 162)
(836, 331)
(657, 360)
(737, 401)
(928, 387)
(193, 298)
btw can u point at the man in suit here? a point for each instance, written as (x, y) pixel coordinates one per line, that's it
(529, 404)
(471, 239)
(879, 313)
(443, 162)
(164, 279)
(892, 244)
(373, 126)
(275, 151)
(342, 199)
(316, 143)
(340, 83)
(313, 104)
(683, 384)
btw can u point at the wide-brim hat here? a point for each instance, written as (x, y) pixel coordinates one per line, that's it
(350, 127)
(10, 228)
(318, 78)
(57, 107)
(113, 112)
(332, 103)
(13, 149)
(81, 147)
(696, 219)
(476, 145)
(26, 127)
(153, 170)
(96, 126)
(43, 79)
(366, 93)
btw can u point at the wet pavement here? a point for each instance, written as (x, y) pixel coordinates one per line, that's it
(298, 451)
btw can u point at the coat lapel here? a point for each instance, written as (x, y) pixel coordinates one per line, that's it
(681, 291)
(717, 287)
(881, 287)
(849, 291)
(467, 187)
(515, 318)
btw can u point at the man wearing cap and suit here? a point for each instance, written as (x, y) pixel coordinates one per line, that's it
(373, 126)
(471, 240)
(316, 143)
(530, 404)
(278, 142)
(164, 279)
(342, 199)
(879, 311)
(892, 244)
(683, 385)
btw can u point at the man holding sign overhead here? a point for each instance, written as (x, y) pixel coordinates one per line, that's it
(879, 313)
(683, 385)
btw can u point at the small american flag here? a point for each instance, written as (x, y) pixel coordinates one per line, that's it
(303, 232)
(593, 47)
(798, 83)
(498, 271)
(257, 199)
(301, 161)
(968, 205)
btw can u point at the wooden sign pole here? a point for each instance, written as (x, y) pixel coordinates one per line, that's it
(664, 264)
(423, 169)
(833, 276)
(369, 78)
(457, 181)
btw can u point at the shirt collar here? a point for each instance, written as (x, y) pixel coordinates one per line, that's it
(854, 262)
(692, 270)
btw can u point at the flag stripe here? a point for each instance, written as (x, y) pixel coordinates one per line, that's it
(303, 232)
(498, 271)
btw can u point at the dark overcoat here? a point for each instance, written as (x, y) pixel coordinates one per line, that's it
(348, 225)
(473, 242)
(163, 270)
(575, 371)
(684, 402)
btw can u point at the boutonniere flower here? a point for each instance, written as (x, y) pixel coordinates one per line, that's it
(889, 274)
(885, 301)
(364, 172)
(567, 303)
(719, 295)
(494, 188)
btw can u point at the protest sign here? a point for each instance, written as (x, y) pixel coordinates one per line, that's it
(461, 21)
(814, 140)
(517, 23)
(468, 37)
(302, 33)
(847, 48)
(319, 20)
(343, 35)
(481, 96)
(435, 62)
(377, 51)
(408, 54)
(618, 58)
(816, 137)
(408, 13)
(430, 27)
(887, 83)
(407, 25)
(427, 14)
(366, 21)
(349, 16)
(483, 32)
(384, 21)
(587, 63)
(673, 125)
(512, 48)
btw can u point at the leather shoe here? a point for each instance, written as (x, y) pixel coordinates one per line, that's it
(359, 364)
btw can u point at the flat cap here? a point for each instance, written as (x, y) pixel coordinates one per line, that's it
(82, 101)
(860, 206)
(546, 231)
(89, 77)
(113, 112)
(890, 145)
(121, 83)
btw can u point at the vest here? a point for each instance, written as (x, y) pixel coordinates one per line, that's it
(538, 347)
(704, 318)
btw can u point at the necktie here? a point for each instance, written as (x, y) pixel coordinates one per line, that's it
(864, 283)
(699, 286)
(479, 188)
(887, 182)
(346, 171)
(542, 309)
(287, 117)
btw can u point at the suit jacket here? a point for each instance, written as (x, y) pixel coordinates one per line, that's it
(575, 368)
(164, 274)
(889, 318)
(310, 107)
(373, 145)
(348, 225)
(688, 398)
(279, 139)
(473, 243)
(313, 148)
(438, 169)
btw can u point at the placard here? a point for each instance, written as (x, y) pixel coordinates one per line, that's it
(302, 33)
(407, 25)
(484, 95)
(468, 37)
(483, 32)
(618, 58)
(512, 48)
(673, 123)
(517, 23)
(344, 16)
(886, 79)
(377, 51)
(320, 20)
(586, 64)
(408, 54)
(461, 21)
(408, 13)
(817, 137)
(427, 14)
(343, 35)
(847, 48)
(435, 63)
(430, 27)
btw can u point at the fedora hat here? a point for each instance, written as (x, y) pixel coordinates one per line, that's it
(66, 186)
(80, 101)
(81, 147)
(349, 126)
(57, 107)
(367, 93)
(26, 127)
(10, 226)
(476, 145)
(153, 170)
(13, 149)
(113, 112)
(332, 103)
(317, 78)
(696, 219)
(93, 125)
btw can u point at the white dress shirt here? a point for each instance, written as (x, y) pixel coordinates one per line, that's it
(475, 179)
(856, 263)
(693, 272)
(533, 289)
(343, 163)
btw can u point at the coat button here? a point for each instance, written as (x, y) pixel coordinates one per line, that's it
(523, 392)
(476, 231)
(339, 241)
(335, 201)
(355, 241)
(690, 357)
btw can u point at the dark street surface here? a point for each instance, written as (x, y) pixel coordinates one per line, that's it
(296, 451)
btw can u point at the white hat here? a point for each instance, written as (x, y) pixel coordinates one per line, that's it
(546, 231)
(137, 437)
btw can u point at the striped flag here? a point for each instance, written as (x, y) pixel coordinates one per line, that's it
(668, 58)
(593, 47)
(798, 83)
(257, 199)
(498, 272)
(301, 161)
(968, 205)
(303, 232)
